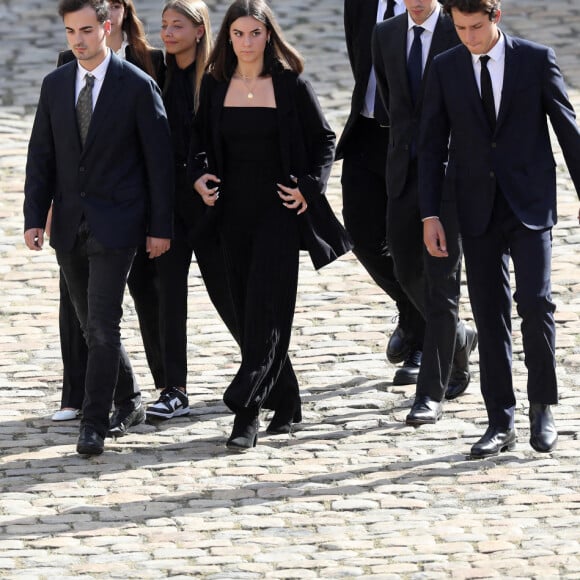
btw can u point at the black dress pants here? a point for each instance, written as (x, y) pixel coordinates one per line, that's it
(432, 284)
(96, 279)
(364, 197)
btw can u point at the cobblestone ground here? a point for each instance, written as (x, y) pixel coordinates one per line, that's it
(355, 493)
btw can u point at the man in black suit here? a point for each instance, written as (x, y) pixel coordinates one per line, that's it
(363, 149)
(484, 135)
(107, 168)
(402, 49)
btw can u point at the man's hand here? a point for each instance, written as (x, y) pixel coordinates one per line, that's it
(434, 238)
(156, 246)
(34, 239)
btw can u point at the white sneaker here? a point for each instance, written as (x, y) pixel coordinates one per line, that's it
(171, 403)
(66, 414)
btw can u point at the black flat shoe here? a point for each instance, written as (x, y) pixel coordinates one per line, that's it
(284, 419)
(424, 411)
(460, 374)
(245, 432)
(124, 418)
(494, 442)
(89, 441)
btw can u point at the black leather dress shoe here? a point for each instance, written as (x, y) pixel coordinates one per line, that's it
(124, 418)
(398, 346)
(408, 373)
(494, 442)
(460, 375)
(543, 434)
(424, 411)
(89, 442)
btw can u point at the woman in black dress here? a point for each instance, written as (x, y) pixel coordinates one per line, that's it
(261, 155)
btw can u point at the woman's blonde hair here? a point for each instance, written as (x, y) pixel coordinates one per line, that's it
(198, 13)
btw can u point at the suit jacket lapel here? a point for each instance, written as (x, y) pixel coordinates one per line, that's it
(510, 77)
(284, 102)
(217, 107)
(110, 92)
(465, 71)
(67, 107)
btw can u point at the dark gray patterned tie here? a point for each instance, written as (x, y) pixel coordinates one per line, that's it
(85, 107)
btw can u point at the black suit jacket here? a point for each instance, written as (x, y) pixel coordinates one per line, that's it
(517, 157)
(157, 59)
(360, 18)
(389, 49)
(306, 150)
(121, 180)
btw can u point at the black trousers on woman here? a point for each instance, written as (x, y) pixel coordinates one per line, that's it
(262, 268)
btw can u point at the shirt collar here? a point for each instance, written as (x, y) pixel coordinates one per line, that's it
(430, 23)
(98, 72)
(497, 53)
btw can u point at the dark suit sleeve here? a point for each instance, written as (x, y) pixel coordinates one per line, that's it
(319, 140)
(157, 150)
(40, 166)
(562, 116)
(433, 145)
(379, 67)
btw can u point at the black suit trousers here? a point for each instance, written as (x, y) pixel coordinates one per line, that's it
(432, 284)
(488, 279)
(364, 198)
(144, 290)
(96, 279)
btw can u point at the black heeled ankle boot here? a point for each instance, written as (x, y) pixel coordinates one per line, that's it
(284, 418)
(245, 431)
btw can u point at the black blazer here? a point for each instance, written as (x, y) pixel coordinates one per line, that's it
(306, 150)
(157, 59)
(389, 49)
(517, 157)
(122, 180)
(360, 18)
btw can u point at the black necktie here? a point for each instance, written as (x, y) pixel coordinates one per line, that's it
(85, 107)
(487, 92)
(415, 63)
(390, 11)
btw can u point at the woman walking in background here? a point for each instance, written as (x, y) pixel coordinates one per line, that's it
(261, 153)
(186, 34)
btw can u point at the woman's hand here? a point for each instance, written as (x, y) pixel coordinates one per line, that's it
(208, 194)
(292, 197)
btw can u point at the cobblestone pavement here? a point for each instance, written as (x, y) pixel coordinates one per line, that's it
(354, 493)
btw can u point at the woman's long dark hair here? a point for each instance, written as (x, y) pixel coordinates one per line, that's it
(278, 54)
(136, 38)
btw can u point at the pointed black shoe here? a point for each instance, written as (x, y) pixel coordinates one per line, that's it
(399, 346)
(285, 418)
(245, 431)
(424, 411)
(89, 442)
(460, 374)
(543, 433)
(408, 373)
(494, 442)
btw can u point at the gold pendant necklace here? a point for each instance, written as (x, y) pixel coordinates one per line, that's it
(249, 83)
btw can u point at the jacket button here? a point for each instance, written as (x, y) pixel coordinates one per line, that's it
(492, 174)
(83, 194)
(82, 169)
(493, 145)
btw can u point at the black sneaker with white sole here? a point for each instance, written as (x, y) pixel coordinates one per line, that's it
(171, 403)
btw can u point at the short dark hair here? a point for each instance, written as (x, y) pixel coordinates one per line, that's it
(101, 7)
(489, 7)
